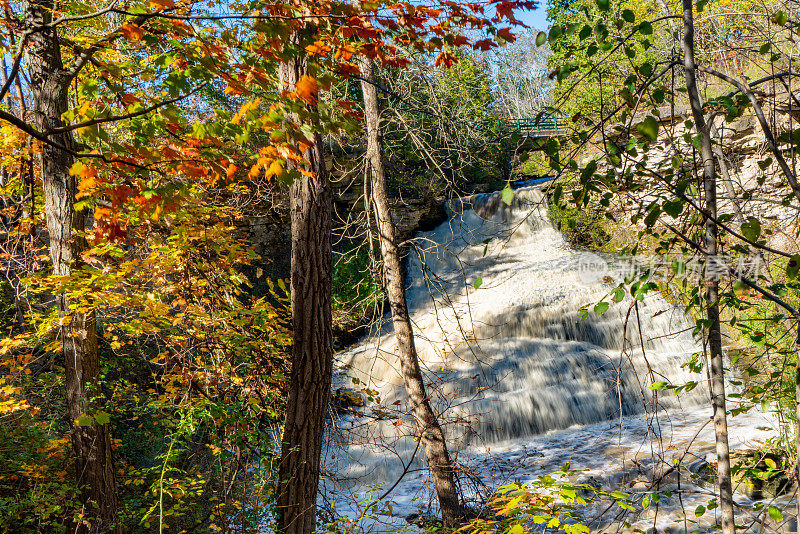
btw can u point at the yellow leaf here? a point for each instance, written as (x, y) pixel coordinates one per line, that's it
(516, 529)
(275, 169)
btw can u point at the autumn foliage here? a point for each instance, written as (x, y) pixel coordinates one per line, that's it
(177, 123)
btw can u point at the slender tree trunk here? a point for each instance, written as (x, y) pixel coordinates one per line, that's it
(797, 427)
(91, 443)
(711, 276)
(428, 427)
(312, 350)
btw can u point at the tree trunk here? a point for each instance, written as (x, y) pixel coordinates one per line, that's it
(717, 370)
(797, 424)
(312, 350)
(91, 443)
(428, 427)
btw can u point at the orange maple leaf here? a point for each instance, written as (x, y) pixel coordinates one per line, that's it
(275, 169)
(161, 5)
(446, 58)
(306, 89)
(132, 32)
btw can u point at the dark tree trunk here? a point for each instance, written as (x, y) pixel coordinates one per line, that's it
(91, 443)
(312, 350)
(717, 370)
(428, 427)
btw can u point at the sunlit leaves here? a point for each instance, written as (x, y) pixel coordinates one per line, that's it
(648, 128)
(307, 89)
(132, 32)
(775, 514)
(507, 194)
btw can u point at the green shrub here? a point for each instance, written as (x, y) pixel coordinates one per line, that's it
(581, 228)
(356, 292)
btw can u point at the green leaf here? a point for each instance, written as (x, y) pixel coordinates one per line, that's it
(652, 217)
(588, 171)
(477, 283)
(646, 69)
(645, 28)
(628, 16)
(603, 5)
(700, 510)
(751, 229)
(102, 418)
(600, 308)
(541, 38)
(673, 208)
(764, 164)
(508, 194)
(793, 266)
(780, 18)
(84, 420)
(557, 194)
(648, 128)
(775, 514)
(701, 5)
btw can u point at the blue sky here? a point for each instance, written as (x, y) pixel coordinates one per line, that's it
(536, 18)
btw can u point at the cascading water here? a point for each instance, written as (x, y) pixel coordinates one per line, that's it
(493, 294)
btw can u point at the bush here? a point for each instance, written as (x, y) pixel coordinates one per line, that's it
(580, 228)
(356, 292)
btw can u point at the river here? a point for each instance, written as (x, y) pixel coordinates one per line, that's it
(523, 385)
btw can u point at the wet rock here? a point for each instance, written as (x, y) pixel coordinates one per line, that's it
(425, 521)
(346, 400)
(760, 475)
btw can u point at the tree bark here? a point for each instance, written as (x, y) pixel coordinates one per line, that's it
(428, 428)
(717, 370)
(312, 350)
(91, 443)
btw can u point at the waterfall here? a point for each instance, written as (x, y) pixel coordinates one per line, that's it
(493, 294)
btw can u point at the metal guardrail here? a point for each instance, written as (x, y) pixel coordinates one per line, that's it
(543, 126)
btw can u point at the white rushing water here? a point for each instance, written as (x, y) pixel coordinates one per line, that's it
(522, 384)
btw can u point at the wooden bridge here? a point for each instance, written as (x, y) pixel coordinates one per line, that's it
(531, 128)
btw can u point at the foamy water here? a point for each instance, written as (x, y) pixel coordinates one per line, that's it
(522, 385)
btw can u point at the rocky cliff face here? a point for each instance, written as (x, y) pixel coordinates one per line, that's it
(751, 183)
(267, 224)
